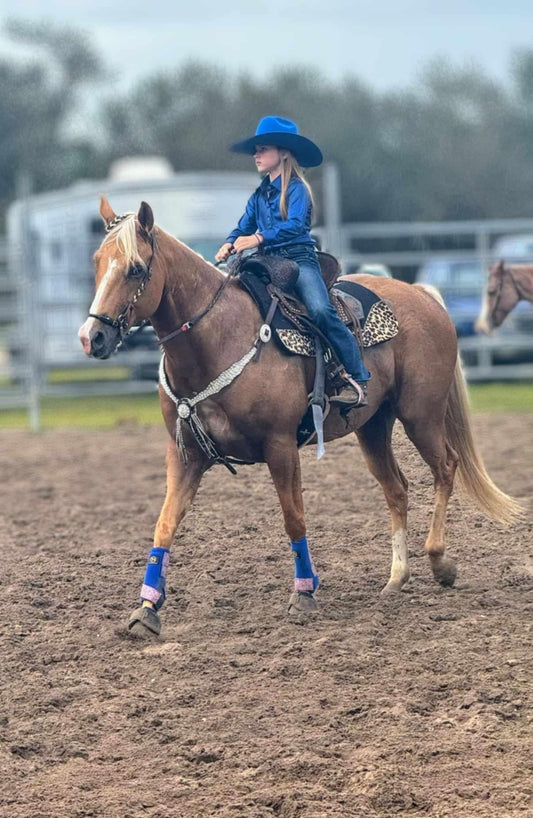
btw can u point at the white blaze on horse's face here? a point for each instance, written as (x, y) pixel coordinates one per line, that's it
(105, 285)
(486, 321)
(112, 293)
(483, 322)
(103, 289)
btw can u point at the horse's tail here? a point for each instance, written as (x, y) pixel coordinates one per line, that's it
(433, 292)
(472, 475)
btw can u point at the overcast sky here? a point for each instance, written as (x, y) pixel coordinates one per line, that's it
(384, 42)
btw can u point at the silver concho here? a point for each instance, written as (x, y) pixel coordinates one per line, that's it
(265, 333)
(184, 410)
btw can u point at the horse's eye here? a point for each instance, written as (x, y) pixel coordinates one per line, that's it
(491, 292)
(136, 270)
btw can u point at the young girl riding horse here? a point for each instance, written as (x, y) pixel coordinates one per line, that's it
(278, 220)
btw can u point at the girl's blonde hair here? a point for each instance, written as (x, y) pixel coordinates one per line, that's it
(290, 169)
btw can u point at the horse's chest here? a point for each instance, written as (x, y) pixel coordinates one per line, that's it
(231, 434)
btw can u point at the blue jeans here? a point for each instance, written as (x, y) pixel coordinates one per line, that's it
(310, 289)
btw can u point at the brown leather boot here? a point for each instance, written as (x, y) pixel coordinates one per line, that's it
(350, 396)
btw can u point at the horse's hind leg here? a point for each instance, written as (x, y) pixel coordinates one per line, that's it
(182, 484)
(429, 436)
(375, 441)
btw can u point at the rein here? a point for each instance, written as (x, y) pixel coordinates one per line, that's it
(188, 325)
(121, 322)
(519, 292)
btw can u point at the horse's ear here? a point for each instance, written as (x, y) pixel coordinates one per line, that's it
(146, 217)
(500, 268)
(106, 211)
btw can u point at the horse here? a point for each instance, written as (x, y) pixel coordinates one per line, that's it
(207, 324)
(506, 286)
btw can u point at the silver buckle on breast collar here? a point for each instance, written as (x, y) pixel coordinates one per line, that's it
(265, 333)
(184, 409)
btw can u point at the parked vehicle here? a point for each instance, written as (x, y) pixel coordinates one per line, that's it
(52, 237)
(517, 249)
(380, 270)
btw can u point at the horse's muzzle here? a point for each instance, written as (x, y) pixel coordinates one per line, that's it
(98, 339)
(483, 326)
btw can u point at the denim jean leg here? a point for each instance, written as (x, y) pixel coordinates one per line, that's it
(311, 289)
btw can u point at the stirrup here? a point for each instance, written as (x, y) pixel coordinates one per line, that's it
(352, 395)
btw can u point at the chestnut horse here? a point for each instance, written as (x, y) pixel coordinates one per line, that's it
(142, 272)
(506, 286)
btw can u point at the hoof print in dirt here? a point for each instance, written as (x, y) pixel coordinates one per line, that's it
(302, 602)
(145, 623)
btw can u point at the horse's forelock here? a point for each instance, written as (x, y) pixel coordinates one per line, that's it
(124, 234)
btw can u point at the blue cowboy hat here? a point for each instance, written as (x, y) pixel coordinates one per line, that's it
(273, 130)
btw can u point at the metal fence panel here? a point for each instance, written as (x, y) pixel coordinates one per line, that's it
(46, 289)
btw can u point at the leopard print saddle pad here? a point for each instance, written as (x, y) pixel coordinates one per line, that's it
(376, 323)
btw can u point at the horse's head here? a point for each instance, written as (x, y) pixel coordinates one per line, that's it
(129, 282)
(501, 296)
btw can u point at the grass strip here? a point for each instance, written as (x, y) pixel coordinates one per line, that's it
(105, 412)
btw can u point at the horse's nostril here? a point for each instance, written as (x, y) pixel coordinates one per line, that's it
(98, 341)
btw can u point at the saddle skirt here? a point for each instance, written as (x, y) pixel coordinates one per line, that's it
(370, 319)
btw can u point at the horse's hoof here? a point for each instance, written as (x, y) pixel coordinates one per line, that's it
(302, 602)
(444, 570)
(144, 622)
(392, 588)
(395, 585)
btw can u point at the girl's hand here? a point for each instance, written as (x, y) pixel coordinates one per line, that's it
(246, 243)
(224, 252)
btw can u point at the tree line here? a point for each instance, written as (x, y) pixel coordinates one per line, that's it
(457, 145)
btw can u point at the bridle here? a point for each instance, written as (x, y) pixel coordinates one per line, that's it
(519, 292)
(121, 322)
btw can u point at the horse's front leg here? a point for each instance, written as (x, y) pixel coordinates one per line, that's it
(284, 464)
(182, 484)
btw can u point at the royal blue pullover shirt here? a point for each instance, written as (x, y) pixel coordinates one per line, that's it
(262, 215)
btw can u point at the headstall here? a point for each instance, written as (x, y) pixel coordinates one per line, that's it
(520, 294)
(121, 322)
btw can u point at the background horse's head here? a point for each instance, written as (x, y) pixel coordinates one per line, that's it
(501, 296)
(129, 282)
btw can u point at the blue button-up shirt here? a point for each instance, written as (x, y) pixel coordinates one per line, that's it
(262, 215)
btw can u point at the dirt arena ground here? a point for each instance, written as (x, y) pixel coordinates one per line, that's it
(416, 705)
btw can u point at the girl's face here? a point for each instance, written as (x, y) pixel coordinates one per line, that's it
(268, 160)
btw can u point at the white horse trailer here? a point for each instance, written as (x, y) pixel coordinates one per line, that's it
(52, 237)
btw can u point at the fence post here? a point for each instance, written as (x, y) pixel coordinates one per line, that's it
(332, 210)
(30, 283)
(483, 246)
